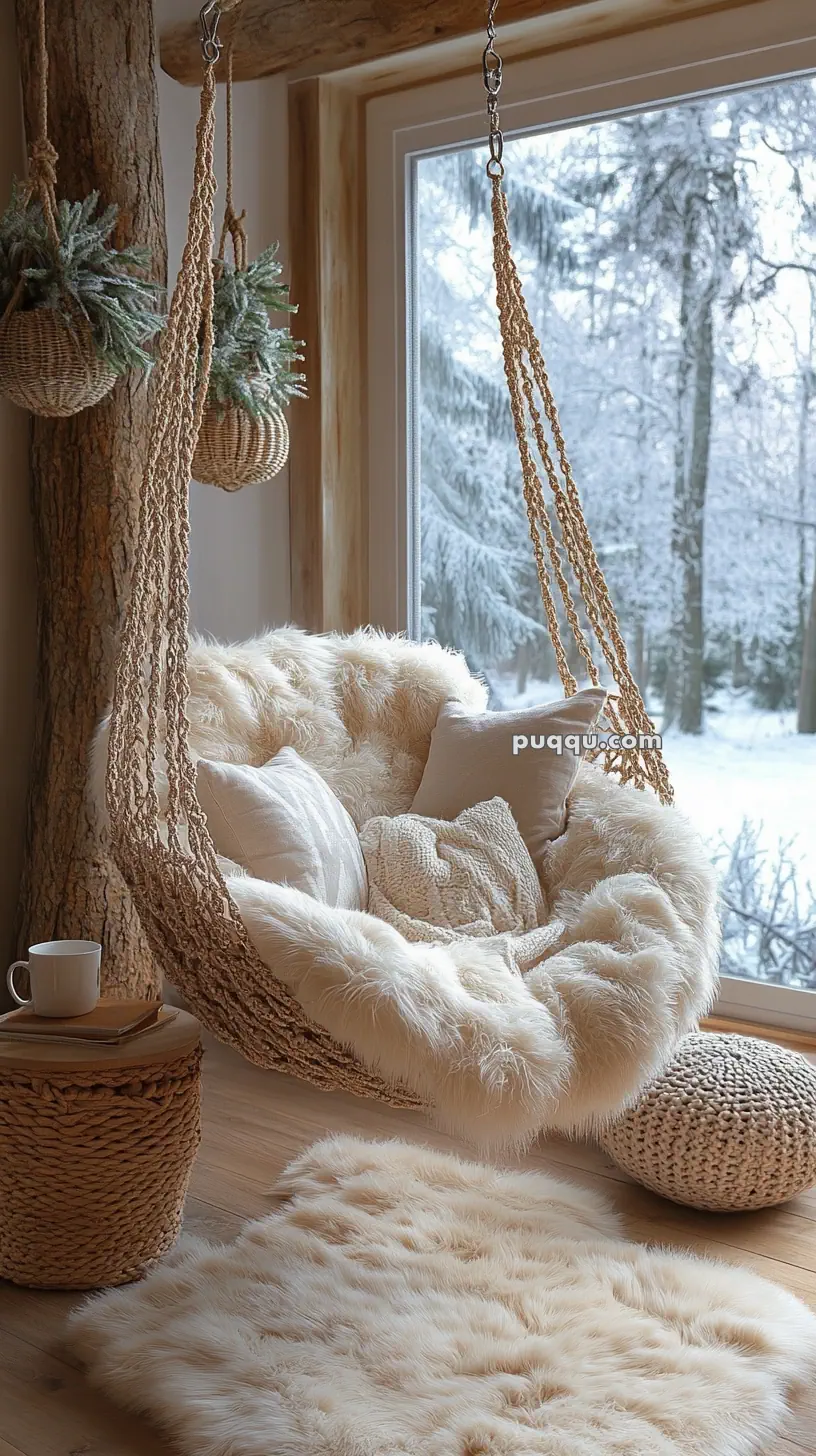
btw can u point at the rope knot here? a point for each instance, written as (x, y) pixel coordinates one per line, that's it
(234, 225)
(42, 162)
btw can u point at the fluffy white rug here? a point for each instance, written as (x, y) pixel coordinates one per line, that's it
(402, 1301)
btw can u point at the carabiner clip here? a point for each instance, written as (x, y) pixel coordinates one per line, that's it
(209, 16)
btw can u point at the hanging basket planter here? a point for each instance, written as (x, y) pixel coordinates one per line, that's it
(50, 366)
(75, 313)
(244, 437)
(236, 448)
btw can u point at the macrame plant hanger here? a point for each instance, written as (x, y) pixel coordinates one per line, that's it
(532, 403)
(48, 365)
(232, 226)
(234, 448)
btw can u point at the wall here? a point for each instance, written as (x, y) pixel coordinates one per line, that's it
(239, 567)
(17, 587)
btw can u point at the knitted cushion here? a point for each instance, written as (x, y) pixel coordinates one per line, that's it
(730, 1125)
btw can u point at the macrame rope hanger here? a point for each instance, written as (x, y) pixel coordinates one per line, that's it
(42, 158)
(150, 687)
(233, 224)
(532, 404)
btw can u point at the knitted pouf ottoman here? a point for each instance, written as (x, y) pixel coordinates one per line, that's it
(730, 1125)
(96, 1149)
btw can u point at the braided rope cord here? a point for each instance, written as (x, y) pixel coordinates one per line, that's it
(43, 156)
(233, 224)
(195, 930)
(532, 404)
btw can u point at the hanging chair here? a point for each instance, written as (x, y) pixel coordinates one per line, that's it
(335, 996)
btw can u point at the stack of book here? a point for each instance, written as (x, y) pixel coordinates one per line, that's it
(111, 1023)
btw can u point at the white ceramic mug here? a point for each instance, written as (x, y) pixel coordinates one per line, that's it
(64, 977)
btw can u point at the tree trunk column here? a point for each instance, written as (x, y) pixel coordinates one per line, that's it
(806, 720)
(86, 475)
(693, 538)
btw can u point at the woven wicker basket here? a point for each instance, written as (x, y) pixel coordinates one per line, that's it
(235, 448)
(96, 1149)
(729, 1125)
(50, 367)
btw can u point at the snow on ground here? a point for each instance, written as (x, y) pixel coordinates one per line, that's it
(748, 764)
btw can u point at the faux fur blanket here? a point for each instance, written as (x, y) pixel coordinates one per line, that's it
(402, 1301)
(495, 1056)
(441, 880)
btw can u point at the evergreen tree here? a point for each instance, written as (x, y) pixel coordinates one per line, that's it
(659, 256)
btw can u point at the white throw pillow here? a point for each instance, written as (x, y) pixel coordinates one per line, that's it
(284, 824)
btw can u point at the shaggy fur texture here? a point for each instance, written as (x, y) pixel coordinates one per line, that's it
(360, 709)
(497, 1057)
(403, 1303)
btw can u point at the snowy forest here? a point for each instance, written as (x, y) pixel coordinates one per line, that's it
(669, 263)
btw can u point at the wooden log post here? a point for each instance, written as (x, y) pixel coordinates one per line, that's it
(85, 482)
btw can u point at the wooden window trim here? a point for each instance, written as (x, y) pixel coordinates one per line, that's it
(328, 496)
(800, 1041)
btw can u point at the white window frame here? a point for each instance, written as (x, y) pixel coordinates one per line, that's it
(773, 39)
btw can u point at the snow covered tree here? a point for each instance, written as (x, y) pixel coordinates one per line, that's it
(658, 256)
(479, 591)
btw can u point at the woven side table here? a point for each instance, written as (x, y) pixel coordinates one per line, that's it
(96, 1149)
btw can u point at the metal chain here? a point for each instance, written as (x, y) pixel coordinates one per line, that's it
(492, 76)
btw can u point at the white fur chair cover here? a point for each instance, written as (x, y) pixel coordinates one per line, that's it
(497, 1057)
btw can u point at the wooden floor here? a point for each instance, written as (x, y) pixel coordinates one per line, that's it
(254, 1122)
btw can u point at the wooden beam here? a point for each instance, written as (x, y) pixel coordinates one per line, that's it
(379, 47)
(270, 36)
(86, 474)
(552, 31)
(328, 501)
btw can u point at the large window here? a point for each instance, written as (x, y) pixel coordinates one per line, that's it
(669, 260)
